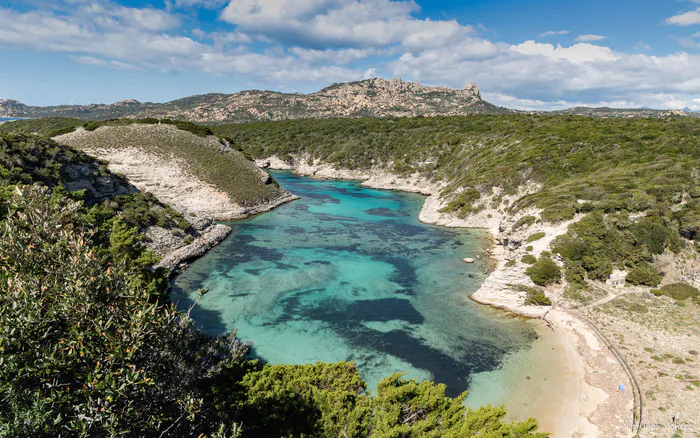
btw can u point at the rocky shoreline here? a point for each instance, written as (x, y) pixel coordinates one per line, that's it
(177, 253)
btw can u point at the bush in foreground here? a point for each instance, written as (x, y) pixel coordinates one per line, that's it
(83, 351)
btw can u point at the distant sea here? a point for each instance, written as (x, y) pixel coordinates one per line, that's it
(7, 119)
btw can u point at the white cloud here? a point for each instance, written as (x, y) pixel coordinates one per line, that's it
(342, 56)
(89, 60)
(686, 19)
(323, 24)
(313, 43)
(581, 73)
(642, 47)
(554, 32)
(131, 41)
(577, 54)
(589, 38)
(208, 4)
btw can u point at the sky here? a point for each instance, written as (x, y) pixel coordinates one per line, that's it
(524, 54)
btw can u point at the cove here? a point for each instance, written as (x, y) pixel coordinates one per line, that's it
(349, 273)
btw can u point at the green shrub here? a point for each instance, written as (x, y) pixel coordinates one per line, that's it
(598, 267)
(524, 221)
(528, 259)
(544, 272)
(538, 299)
(529, 248)
(644, 274)
(574, 272)
(535, 237)
(510, 263)
(678, 291)
(534, 296)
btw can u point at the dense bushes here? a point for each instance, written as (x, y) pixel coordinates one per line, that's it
(544, 272)
(678, 291)
(46, 127)
(53, 126)
(83, 351)
(605, 167)
(644, 274)
(599, 243)
(584, 164)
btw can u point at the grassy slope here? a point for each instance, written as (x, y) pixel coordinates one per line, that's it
(206, 157)
(617, 164)
(53, 126)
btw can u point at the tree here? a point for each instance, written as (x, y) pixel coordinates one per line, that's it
(84, 352)
(645, 274)
(544, 272)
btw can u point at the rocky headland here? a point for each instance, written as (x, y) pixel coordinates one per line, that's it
(151, 158)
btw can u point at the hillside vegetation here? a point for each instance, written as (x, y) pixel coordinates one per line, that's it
(90, 346)
(53, 126)
(611, 167)
(202, 155)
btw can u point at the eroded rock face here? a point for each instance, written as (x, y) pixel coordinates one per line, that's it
(86, 176)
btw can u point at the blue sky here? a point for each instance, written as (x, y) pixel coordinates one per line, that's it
(540, 54)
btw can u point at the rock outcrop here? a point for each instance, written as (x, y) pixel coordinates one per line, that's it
(375, 97)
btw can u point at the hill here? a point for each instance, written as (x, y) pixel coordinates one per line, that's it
(596, 214)
(198, 175)
(607, 112)
(368, 98)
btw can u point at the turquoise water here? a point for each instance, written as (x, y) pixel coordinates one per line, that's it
(349, 273)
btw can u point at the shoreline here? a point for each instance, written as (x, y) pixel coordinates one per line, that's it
(214, 234)
(589, 407)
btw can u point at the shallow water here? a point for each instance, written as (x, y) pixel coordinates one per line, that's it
(349, 273)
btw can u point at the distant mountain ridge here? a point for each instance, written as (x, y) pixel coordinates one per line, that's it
(367, 98)
(374, 97)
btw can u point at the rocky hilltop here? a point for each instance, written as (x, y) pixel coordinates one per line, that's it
(368, 98)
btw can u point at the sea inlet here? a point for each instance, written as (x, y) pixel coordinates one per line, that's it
(349, 273)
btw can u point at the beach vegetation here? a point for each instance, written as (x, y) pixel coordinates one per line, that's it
(528, 259)
(544, 272)
(535, 237)
(678, 291)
